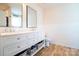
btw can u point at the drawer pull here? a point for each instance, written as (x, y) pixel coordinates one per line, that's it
(18, 46)
(18, 38)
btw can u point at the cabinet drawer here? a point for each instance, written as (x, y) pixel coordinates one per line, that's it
(33, 41)
(15, 48)
(13, 39)
(31, 35)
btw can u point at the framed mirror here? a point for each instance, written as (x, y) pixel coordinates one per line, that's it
(31, 16)
(4, 14)
(10, 15)
(16, 15)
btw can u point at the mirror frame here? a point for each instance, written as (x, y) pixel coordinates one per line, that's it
(27, 25)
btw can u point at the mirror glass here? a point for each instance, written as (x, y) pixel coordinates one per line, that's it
(31, 17)
(4, 14)
(16, 15)
(10, 15)
(2, 19)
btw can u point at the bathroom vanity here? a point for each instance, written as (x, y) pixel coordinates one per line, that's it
(12, 44)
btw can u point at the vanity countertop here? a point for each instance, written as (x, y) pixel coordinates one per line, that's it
(14, 33)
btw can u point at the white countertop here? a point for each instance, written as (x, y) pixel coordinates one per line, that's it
(13, 33)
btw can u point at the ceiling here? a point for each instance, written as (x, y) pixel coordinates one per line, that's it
(4, 6)
(49, 5)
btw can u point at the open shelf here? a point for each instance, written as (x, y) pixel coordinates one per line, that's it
(37, 50)
(32, 50)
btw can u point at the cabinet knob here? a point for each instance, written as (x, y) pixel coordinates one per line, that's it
(18, 46)
(18, 38)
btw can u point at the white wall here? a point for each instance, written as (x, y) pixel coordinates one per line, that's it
(61, 24)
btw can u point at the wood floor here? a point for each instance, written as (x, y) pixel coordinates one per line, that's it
(57, 50)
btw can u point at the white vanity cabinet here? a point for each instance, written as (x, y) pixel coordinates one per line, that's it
(12, 44)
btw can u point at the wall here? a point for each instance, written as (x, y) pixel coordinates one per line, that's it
(61, 24)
